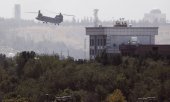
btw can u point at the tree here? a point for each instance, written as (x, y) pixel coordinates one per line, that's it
(116, 96)
(18, 99)
(103, 58)
(22, 59)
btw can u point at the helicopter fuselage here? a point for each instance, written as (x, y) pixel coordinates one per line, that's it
(45, 19)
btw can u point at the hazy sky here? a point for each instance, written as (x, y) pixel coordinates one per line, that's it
(108, 9)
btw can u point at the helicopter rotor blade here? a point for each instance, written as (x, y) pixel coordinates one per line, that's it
(58, 13)
(68, 15)
(51, 11)
(31, 12)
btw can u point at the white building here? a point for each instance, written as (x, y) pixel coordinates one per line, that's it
(155, 16)
(109, 38)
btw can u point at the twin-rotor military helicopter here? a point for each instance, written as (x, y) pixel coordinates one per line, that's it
(45, 19)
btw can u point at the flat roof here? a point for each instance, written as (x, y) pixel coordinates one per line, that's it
(121, 27)
(125, 31)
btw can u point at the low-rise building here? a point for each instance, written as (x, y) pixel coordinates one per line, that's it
(109, 38)
(155, 16)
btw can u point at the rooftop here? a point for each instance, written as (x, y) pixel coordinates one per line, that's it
(156, 11)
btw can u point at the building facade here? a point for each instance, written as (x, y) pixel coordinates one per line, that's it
(110, 38)
(155, 16)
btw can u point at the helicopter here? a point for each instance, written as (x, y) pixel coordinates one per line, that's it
(45, 19)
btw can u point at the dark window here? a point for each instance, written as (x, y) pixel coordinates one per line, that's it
(104, 42)
(101, 42)
(91, 42)
(98, 42)
(98, 52)
(91, 52)
(114, 45)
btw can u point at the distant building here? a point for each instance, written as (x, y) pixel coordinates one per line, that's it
(155, 16)
(17, 12)
(96, 19)
(109, 38)
(145, 50)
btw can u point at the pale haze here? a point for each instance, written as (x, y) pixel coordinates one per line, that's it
(108, 9)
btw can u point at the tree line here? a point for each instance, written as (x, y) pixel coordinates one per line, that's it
(28, 76)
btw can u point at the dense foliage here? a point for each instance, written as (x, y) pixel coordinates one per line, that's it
(28, 76)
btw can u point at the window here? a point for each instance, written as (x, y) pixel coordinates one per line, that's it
(104, 42)
(91, 42)
(98, 42)
(114, 45)
(91, 52)
(101, 42)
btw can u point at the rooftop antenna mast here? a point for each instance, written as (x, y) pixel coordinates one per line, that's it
(96, 19)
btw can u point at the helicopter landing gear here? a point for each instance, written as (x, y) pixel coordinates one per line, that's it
(57, 24)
